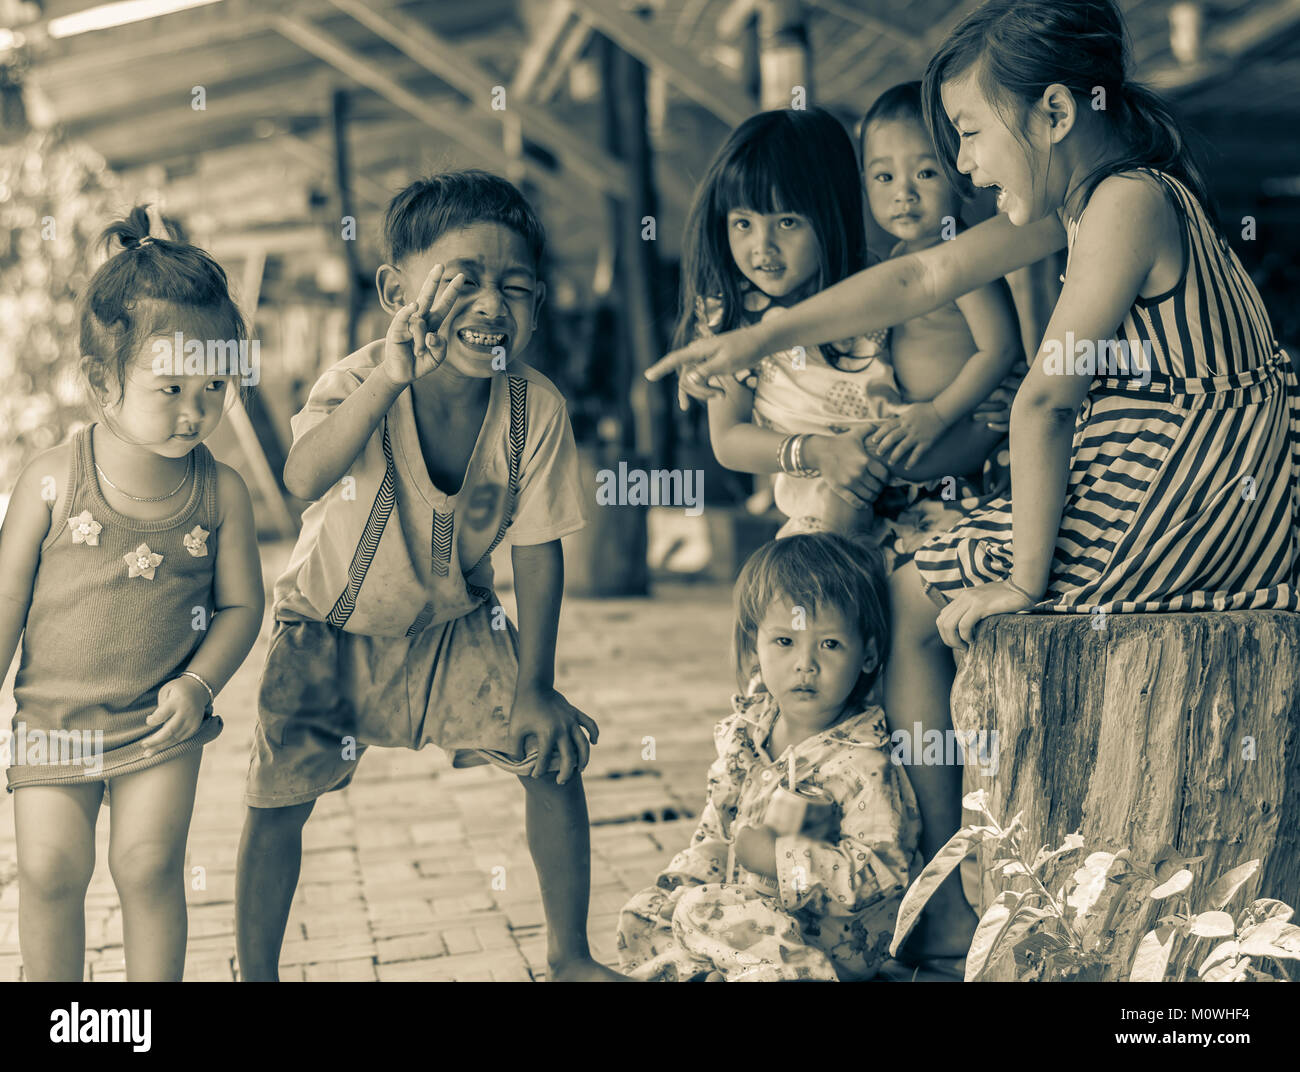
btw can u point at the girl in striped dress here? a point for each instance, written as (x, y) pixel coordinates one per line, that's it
(1166, 479)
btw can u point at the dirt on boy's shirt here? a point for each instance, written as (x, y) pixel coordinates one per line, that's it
(384, 551)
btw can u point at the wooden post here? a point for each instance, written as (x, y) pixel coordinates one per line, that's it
(347, 209)
(1179, 729)
(784, 69)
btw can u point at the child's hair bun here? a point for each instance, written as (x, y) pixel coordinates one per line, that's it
(140, 228)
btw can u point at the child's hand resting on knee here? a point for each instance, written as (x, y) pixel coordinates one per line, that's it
(555, 725)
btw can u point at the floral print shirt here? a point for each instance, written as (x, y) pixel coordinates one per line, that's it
(868, 858)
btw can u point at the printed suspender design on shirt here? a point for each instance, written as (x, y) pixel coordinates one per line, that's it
(369, 543)
(442, 526)
(442, 523)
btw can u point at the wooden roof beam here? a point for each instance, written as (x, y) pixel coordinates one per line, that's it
(652, 45)
(325, 47)
(1222, 48)
(904, 39)
(593, 166)
(575, 40)
(319, 158)
(533, 59)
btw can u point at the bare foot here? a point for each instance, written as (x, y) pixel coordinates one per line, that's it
(583, 970)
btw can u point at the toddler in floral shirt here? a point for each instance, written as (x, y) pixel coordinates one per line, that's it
(757, 896)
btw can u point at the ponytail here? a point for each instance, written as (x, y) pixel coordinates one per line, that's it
(141, 227)
(152, 284)
(1154, 140)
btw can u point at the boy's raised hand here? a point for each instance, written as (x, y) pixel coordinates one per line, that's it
(413, 348)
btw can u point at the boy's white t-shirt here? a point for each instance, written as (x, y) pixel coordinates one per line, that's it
(548, 504)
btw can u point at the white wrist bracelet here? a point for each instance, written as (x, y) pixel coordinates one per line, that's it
(212, 699)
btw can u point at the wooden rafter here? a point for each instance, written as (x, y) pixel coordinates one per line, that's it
(687, 18)
(177, 131)
(653, 47)
(575, 40)
(1223, 47)
(593, 166)
(312, 154)
(532, 61)
(328, 48)
(881, 27)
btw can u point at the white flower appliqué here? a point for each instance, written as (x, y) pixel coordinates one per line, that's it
(196, 542)
(85, 529)
(142, 562)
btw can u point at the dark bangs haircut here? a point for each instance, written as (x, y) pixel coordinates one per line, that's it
(1020, 47)
(780, 161)
(145, 290)
(430, 207)
(813, 571)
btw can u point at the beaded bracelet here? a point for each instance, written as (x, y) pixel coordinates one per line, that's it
(212, 699)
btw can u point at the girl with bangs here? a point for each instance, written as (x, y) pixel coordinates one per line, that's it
(777, 219)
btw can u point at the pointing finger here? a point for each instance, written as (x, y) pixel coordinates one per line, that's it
(677, 359)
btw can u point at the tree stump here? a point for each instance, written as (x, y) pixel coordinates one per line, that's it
(1179, 729)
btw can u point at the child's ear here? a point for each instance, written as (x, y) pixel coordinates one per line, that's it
(388, 281)
(1060, 109)
(870, 657)
(539, 296)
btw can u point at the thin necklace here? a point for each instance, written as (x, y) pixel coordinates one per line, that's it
(148, 498)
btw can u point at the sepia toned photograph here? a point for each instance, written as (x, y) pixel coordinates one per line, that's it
(651, 491)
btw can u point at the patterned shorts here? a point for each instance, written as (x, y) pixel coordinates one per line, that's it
(326, 695)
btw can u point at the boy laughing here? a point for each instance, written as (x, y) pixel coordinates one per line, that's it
(421, 452)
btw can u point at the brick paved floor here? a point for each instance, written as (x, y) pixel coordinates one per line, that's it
(401, 871)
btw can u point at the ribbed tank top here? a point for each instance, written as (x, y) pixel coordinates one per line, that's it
(110, 622)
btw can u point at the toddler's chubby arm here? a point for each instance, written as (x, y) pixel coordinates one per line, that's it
(991, 317)
(744, 447)
(238, 602)
(412, 349)
(26, 524)
(538, 710)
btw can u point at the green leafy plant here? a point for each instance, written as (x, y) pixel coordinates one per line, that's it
(1066, 936)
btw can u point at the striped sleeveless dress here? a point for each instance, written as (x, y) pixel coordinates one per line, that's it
(1182, 492)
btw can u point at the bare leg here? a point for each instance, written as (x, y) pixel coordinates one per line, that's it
(918, 685)
(559, 838)
(146, 855)
(55, 828)
(270, 858)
